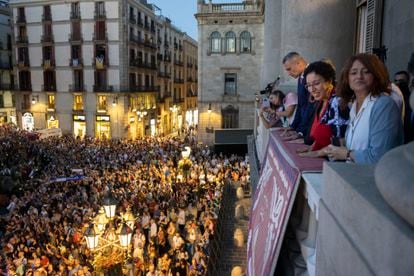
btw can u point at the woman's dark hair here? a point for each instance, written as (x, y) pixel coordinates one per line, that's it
(375, 67)
(280, 95)
(321, 68)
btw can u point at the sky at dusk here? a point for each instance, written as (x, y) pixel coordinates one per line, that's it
(181, 12)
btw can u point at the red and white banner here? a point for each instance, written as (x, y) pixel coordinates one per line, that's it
(271, 208)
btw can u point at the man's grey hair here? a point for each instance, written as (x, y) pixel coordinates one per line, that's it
(290, 56)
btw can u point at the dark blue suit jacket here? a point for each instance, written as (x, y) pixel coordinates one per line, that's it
(304, 110)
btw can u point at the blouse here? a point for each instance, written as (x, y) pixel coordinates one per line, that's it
(383, 130)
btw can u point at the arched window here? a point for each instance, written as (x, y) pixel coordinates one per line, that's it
(215, 42)
(230, 42)
(245, 42)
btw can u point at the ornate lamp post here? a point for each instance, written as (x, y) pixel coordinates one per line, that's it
(109, 236)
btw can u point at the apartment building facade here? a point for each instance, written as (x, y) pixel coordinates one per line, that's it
(90, 67)
(7, 108)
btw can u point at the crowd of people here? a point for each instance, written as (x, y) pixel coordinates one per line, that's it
(176, 211)
(355, 119)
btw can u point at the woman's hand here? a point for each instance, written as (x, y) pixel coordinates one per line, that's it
(304, 149)
(336, 153)
(310, 154)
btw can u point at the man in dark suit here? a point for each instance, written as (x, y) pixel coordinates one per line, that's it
(295, 65)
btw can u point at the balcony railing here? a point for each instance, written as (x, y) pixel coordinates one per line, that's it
(191, 94)
(100, 63)
(77, 87)
(49, 87)
(164, 75)
(7, 86)
(100, 14)
(21, 20)
(48, 63)
(101, 37)
(5, 65)
(103, 88)
(178, 62)
(75, 14)
(140, 22)
(22, 39)
(144, 88)
(136, 39)
(75, 38)
(46, 17)
(47, 38)
(178, 80)
(178, 100)
(189, 65)
(149, 44)
(76, 62)
(132, 19)
(23, 63)
(141, 64)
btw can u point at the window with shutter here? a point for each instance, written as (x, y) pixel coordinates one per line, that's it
(370, 26)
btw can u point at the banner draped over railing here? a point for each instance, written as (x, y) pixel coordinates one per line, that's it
(273, 201)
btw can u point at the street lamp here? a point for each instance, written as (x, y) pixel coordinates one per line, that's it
(108, 236)
(109, 204)
(35, 99)
(92, 237)
(115, 101)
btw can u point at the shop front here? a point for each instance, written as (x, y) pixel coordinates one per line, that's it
(3, 118)
(79, 126)
(132, 128)
(52, 122)
(28, 121)
(103, 127)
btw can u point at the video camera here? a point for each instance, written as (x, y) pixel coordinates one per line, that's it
(264, 100)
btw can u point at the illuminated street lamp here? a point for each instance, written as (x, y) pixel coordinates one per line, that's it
(109, 204)
(92, 237)
(125, 235)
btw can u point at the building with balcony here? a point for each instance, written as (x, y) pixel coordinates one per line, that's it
(87, 69)
(230, 52)
(7, 105)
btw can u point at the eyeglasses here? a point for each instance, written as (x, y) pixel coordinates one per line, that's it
(315, 83)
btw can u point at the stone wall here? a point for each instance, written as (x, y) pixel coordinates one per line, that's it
(359, 233)
(398, 33)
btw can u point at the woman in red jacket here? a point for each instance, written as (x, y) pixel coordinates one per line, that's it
(330, 120)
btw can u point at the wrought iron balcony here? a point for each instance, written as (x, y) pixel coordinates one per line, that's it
(48, 38)
(103, 88)
(48, 63)
(49, 87)
(144, 88)
(76, 62)
(77, 87)
(74, 15)
(100, 14)
(22, 39)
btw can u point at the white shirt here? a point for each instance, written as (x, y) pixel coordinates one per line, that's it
(357, 133)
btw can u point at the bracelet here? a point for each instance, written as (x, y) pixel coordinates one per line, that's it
(348, 156)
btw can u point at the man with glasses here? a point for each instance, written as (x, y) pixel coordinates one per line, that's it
(294, 64)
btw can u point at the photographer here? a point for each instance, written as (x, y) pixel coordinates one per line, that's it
(278, 110)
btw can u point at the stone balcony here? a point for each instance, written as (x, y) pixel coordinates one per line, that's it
(246, 6)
